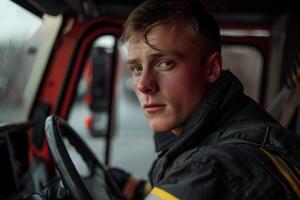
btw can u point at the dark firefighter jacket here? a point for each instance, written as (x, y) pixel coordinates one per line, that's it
(229, 149)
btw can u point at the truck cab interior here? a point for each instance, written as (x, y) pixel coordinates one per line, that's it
(63, 59)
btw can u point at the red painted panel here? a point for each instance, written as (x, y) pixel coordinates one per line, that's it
(75, 33)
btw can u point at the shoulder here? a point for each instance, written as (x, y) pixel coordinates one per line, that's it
(191, 177)
(224, 158)
(234, 170)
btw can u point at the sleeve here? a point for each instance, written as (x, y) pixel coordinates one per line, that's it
(192, 181)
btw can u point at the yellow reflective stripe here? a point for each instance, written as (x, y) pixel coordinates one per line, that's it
(162, 194)
(285, 171)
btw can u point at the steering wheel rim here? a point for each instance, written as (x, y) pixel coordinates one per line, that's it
(56, 128)
(63, 162)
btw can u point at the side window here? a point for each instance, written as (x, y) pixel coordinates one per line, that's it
(90, 110)
(24, 54)
(246, 63)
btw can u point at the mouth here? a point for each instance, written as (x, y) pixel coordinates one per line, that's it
(153, 107)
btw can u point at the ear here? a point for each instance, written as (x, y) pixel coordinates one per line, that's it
(213, 67)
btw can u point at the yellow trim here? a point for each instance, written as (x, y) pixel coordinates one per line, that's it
(162, 194)
(285, 171)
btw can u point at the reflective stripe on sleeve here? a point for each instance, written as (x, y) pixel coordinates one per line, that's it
(285, 170)
(160, 194)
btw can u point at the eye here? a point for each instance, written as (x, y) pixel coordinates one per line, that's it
(136, 69)
(166, 65)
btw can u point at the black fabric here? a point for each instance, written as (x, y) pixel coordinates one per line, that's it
(217, 155)
(164, 141)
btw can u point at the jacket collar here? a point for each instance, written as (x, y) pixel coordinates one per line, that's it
(164, 141)
(219, 97)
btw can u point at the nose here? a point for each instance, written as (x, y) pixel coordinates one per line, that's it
(147, 83)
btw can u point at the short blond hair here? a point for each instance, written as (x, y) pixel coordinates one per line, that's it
(191, 12)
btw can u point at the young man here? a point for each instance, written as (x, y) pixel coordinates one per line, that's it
(214, 142)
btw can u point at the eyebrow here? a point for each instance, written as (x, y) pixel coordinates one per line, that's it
(132, 61)
(157, 54)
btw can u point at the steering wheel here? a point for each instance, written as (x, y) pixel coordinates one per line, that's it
(99, 185)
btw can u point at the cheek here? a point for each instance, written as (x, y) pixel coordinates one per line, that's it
(181, 84)
(186, 90)
(137, 92)
(177, 92)
(134, 87)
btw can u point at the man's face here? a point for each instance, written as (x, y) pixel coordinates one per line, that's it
(168, 79)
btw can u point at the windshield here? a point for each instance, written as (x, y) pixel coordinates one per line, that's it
(23, 56)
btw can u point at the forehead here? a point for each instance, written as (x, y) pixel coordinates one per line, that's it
(163, 37)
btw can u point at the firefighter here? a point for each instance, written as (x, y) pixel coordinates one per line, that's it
(214, 142)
